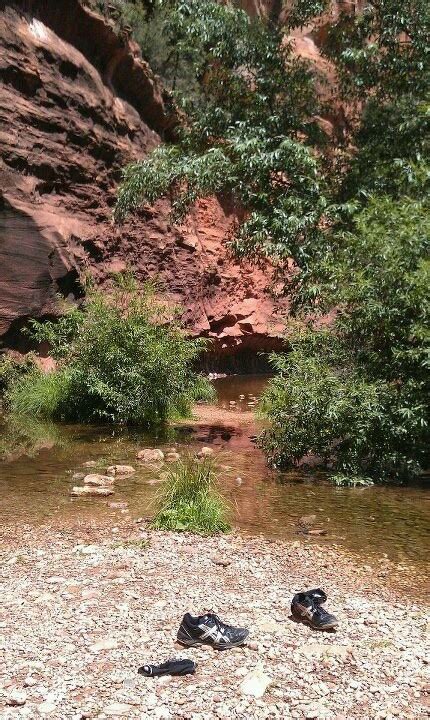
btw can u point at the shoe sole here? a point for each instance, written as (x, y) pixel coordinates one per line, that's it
(194, 643)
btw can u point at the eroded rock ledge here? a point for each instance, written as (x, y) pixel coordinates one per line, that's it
(77, 102)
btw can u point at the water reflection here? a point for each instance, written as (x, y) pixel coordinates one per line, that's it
(39, 460)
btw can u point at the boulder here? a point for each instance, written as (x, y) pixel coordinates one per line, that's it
(150, 455)
(98, 480)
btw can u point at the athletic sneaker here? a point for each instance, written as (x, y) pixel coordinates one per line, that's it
(307, 608)
(317, 595)
(210, 630)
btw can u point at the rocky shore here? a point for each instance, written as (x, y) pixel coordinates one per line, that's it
(84, 607)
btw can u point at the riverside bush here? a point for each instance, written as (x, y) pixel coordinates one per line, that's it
(190, 501)
(356, 394)
(122, 358)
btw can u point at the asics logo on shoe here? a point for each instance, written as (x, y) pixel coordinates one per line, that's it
(212, 632)
(306, 611)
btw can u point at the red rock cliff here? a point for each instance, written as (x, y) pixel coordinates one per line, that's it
(76, 104)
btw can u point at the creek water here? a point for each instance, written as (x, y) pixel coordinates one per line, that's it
(39, 460)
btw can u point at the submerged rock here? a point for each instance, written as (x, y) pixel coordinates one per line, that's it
(150, 455)
(120, 470)
(91, 490)
(98, 480)
(89, 463)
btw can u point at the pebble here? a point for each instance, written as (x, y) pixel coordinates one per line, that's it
(16, 698)
(46, 708)
(255, 683)
(118, 709)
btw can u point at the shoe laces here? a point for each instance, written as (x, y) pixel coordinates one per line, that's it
(221, 625)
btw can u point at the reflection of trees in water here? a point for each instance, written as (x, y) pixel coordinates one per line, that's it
(21, 435)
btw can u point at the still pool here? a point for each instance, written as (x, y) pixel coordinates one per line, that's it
(39, 460)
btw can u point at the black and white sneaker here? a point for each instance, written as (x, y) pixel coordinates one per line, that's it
(210, 630)
(306, 607)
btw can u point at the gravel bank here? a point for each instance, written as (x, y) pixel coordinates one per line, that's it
(81, 611)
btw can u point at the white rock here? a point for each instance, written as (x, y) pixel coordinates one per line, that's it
(118, 709)
(46, 708)
(16, 698)
(255, 683)
(91, 491)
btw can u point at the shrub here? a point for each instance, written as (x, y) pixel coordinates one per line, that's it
(190, 500)
(122, 358)
(11, 370)
(356, 394)
(39, 394)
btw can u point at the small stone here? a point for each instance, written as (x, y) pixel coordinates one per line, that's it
(150, 455)
(253, 645)
(255, 683)
(30, 681)
(118, 709)
(89, 463)
(91, 491)
(106, 644)
(46, 707)
(16, 698)
(219, 560)
(370, 620)
(98, 480)
(120, 470)
(89, 549)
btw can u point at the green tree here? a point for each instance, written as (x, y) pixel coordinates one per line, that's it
(356, 393)
(249, 130)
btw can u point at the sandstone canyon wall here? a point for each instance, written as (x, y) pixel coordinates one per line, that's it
(76, 103)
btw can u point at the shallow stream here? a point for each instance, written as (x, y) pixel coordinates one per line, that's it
(39, 460)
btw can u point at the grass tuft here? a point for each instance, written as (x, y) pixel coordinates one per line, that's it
(190, 501)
